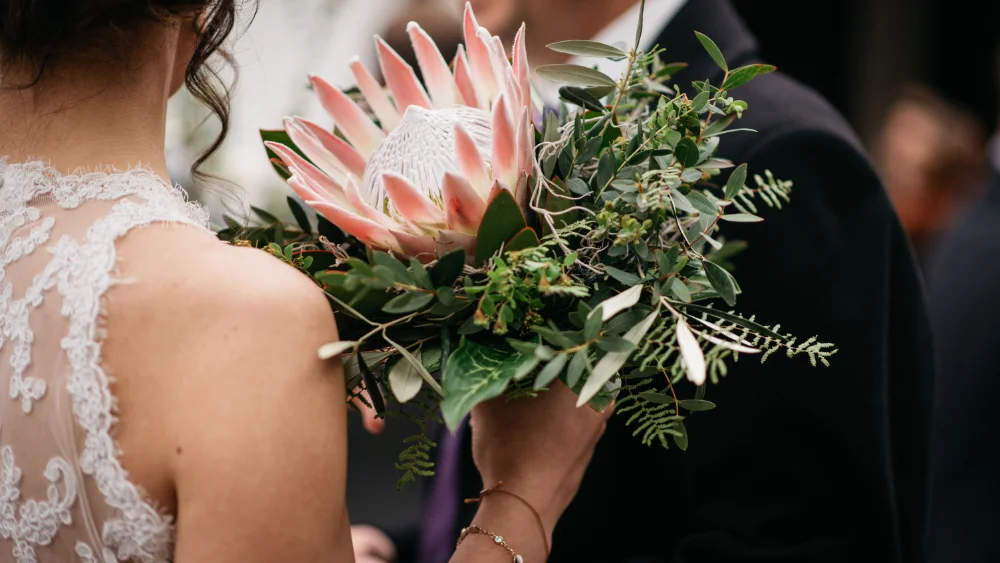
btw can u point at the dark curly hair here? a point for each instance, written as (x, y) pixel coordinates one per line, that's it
(40, 32)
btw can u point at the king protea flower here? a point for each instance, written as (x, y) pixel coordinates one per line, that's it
(419, 181)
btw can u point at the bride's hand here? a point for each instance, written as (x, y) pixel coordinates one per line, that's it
(538, 447)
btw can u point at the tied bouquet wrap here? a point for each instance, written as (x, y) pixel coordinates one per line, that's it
(472, 245)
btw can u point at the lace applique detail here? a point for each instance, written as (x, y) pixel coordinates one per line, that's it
(87, 554)
(36, 523)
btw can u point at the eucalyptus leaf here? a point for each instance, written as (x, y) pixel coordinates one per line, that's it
(581, 97)
(713, 50)
(576, 368)
(703, 204)
(300, 215)
(613, 361)
(612, 343)
(687, 153)
(574, 75)
(588, 49)
(680, 291)
(551, 371)
(722, 281)
(624, 300)
(681, 438)
(744, 74)
(695, 405)
(448, 268)
(578, 186)
(417, 365)
(408, 302)
(741, 218)
(405, 381)
(334, 349)
(592, 327)
(657, 398)
(622, 276)
(736, 181)
(694, 358)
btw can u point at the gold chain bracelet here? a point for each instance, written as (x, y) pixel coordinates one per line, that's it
(473, 529)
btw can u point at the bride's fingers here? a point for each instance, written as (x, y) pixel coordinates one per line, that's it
(369, 418)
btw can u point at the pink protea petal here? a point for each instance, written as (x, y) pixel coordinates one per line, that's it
(375, 95)
(348, 156)
(370, 232)
(306, 192)
(463, 78)
(521, 69)
(480, 61)
(411, 204)
(420, 247)
(361, 131)
(463, 207)
(495, 189)
(513, 95)
(364, 208)
(504, 144)
(406, 89)
(496, 55)
(525, 144)
(314, 178)
(448, 240)
(437, 76)
(314, 149)
(471, 162)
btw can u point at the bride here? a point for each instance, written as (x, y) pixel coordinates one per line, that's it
(166, 400)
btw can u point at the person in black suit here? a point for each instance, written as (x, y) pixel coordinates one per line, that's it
(795, 464)
(964, 292)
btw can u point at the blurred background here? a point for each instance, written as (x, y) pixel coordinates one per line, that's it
(917, 79)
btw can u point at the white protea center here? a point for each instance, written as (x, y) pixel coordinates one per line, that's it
(419, 180)
(422, 149)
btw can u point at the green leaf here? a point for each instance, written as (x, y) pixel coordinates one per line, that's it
(677, 287)
(408, 302)
(551, 371)
(448, 268)
(741, 218)
(618, 303)
(687, 152)
(670, 69)
(682, 439)
(613, 361)
(399, 271)
(405, 381)
(300, 215)
(656, 398)
(700, 101)
(281, 137)
(334, 349)
(736, 181)
(605, 172)
(525, 238)
(264, 215)
(713, 50)
(695, 405)
(574, 75)
(588, 49)
(622, 276)
(578, 186)
(576, 368)
(592, 328)
(417, 364)
(748, 324)
(703, 204)
(691, 352)
(476, 373)
(503, 219)
(722, 282)
(581, 97)
(638, 28)
(612, 343)
(745, 74)
(420, 274)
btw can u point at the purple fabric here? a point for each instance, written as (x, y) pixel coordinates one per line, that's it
(437, 538)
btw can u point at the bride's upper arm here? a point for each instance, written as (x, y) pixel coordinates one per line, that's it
(250, 423)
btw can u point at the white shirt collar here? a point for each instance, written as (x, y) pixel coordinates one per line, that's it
(621, 30)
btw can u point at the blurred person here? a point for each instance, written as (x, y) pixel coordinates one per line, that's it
(439, 19)
(964, 292)
(218, 438)
(794, 466)
(930, 155)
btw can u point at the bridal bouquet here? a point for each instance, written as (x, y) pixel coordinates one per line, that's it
(472, 245)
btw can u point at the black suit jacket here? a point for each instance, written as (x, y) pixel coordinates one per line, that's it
(965, 306)
(795, 464)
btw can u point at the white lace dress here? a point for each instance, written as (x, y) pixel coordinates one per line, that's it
(64, 496)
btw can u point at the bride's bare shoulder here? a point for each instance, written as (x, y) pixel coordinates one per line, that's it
(214, 350)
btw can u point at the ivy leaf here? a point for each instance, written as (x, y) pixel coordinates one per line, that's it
(613, 361)
(694, 358)
(334, 349)
(574, 75)
(695, 405)
(448, 268)
(300, 215)
(741, 218)
(551, 371)
(687, 152)
(745, 74)
(405, 381)
(408, 302)
(736, 181)
(722, 282)
(581, 97)
(713, 50)
(592, 49)
(503, 219)
(476, 373)
(622, 276)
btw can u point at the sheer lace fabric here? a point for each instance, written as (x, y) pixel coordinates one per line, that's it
(64, 496)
